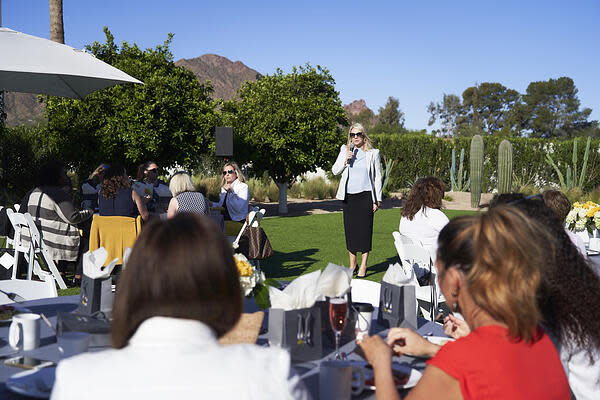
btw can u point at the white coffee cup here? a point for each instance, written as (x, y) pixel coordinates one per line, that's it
(594, 244)
(72, 343)
(335, 380)
(363, 319)
(24, 332)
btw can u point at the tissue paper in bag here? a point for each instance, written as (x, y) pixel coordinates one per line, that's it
(96, 283)
(397, 299)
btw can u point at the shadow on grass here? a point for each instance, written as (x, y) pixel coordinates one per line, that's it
(382, 266)
(288, 264)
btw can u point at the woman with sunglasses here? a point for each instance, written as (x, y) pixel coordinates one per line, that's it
(360, 191)
(234, 193)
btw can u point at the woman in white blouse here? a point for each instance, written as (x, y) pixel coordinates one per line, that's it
(179, 293)
(235, 194)
(360, 190)
(422, 219)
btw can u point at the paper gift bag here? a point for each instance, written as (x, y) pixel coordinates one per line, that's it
(298, 331)
(397, 306)
(96, 295)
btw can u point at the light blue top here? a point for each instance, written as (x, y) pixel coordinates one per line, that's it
(358, 175)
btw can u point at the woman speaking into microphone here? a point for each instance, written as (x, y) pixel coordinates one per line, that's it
(360, 190)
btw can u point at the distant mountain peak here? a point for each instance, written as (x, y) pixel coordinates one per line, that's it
(226, 76)
(356, 107)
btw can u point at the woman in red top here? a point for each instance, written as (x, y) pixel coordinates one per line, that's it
(489, 272)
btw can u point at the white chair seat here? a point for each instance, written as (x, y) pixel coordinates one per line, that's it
(28, 289)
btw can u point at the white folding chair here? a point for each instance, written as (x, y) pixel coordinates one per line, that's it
(17, 207)
(18, 222)
(39, 247)
(28, 290)
(414, 256)
(365, 291)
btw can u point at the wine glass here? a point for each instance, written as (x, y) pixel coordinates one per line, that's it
(338, 313)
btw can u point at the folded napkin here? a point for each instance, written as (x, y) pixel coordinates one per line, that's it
(93, 264)
(305, 290)
(397, 275)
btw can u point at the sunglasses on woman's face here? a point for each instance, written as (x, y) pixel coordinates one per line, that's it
(357, 134)
(152, 170)
(229, 172)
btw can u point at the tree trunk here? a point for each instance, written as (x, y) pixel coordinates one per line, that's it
(283, 187)
(57, 31)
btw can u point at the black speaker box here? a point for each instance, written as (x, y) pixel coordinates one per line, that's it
(223, 141)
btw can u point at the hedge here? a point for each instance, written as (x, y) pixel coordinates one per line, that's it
(420, 156)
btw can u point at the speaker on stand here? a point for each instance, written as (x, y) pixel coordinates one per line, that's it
(224, 141)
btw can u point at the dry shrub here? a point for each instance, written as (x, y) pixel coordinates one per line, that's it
(208, 186)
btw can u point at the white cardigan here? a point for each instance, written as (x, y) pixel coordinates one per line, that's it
(171, 358)
(237, 200)
(373, 169)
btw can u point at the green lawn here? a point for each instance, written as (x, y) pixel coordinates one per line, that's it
(304, 244)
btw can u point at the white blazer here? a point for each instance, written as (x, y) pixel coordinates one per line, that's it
(373, 168)
(173, 358)
(237, 200)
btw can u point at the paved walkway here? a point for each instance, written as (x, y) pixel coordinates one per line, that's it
(298, 207)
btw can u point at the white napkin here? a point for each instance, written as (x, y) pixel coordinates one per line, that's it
(334, 281)
(397, 275)
(301, 293)
(93, 264)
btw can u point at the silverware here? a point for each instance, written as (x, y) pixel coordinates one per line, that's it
(13, 296)
(48, 323)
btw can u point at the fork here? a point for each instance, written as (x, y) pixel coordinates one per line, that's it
(13, 296)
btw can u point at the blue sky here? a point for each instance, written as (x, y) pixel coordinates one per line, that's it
(412, 50)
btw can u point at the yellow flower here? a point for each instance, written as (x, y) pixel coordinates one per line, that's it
(244, 268)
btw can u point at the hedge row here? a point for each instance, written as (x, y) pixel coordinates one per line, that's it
(420, 156)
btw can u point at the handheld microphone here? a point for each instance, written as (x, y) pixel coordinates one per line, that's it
(352, 150)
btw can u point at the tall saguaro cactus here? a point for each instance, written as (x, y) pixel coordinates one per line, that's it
(505, 167)
(476, 169)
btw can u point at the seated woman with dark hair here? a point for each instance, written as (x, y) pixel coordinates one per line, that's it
(489, 271)
(422, 219)
(116, 198)
(179, 293)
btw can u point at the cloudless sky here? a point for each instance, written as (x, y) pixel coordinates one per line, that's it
(413, 50)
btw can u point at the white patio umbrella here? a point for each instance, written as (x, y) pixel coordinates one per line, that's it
(34, 65)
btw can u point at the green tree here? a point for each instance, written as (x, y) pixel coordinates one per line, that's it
(489, 106)
(390, 115)
(169, 119)
(366, 117)
(288, 124)
(448, 113)
(552, 108)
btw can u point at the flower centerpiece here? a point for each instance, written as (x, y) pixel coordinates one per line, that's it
(584, 218)
(253, 281)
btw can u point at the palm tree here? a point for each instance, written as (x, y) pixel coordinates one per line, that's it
(57, 31)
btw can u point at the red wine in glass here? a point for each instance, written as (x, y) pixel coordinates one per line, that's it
(338, 312)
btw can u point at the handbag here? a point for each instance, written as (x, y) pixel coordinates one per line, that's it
(255, 244)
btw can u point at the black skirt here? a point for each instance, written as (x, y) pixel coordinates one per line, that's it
(358, 221)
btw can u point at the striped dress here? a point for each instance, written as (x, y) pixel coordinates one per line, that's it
(56, 218)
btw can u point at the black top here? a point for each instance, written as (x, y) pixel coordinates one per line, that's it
(122, 205)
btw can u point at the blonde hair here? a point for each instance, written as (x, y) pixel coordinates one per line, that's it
(367, 144)
(237, 170)
(181, 182)
(500, 253)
